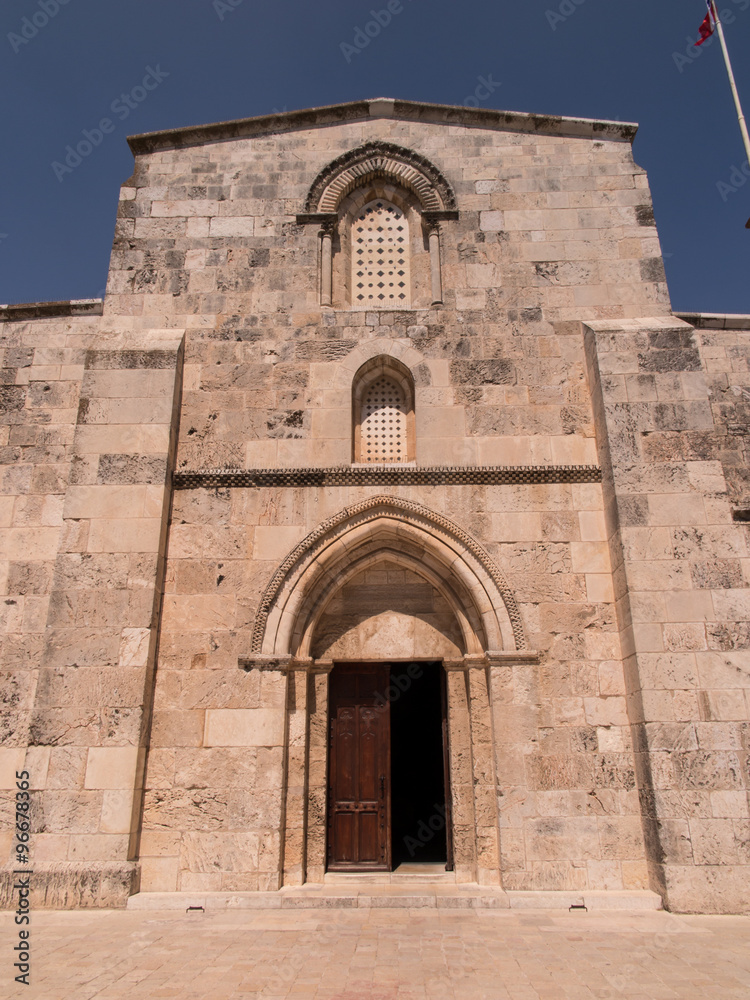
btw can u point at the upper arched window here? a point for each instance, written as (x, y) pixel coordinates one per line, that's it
(380, 208)
(381, 276)
(383, 411)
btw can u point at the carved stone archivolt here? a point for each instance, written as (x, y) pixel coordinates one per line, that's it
(300, 586)
(380, 160)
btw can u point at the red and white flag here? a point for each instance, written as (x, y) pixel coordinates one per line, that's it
(707, 28)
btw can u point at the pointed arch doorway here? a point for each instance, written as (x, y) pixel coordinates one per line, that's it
(389, 801)
(443, 600)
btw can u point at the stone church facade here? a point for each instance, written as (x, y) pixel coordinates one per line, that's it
(382, 512)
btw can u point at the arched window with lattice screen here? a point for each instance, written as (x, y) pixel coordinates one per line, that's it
(380, 257)
(383, 406)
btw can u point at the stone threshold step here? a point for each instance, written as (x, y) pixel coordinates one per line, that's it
(419, 897)
(388, 878)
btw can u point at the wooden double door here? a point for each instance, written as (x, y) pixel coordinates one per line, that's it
(387, 766)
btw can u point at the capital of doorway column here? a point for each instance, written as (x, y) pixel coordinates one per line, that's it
(508, 657)
(285, 664)
(474, 661)
(265, 662)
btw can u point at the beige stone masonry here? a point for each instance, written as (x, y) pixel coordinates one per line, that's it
(166, 651)
(664, 516)
(100, 640)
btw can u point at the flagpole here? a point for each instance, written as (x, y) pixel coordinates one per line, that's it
(733, 85)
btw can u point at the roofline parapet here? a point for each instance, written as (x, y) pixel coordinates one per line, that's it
(336, 114)
(716, 321)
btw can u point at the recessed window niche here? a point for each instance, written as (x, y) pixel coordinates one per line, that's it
(383, 413)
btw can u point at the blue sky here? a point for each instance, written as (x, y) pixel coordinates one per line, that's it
(212, 60)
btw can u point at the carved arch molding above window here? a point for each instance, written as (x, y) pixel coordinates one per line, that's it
(398, 168)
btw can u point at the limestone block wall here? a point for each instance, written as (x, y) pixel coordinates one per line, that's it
(89, 707)
(725, 354)
(682, 582)
(42, 359)
(563, 767)
(522, 400)
(615, 759)
(569, 813)
(552, 227)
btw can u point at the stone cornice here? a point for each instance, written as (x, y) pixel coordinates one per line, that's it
(335, 114)
(387, 475)
(477, 661)
(493, 658)
(284, 664)
(716, 321)
(50, 310)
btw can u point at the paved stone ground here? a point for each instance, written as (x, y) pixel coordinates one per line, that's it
(381, 954)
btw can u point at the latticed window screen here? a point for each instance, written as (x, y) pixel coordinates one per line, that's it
(380, 257)
(384, 422)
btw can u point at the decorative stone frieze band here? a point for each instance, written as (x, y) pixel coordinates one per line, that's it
(457, 475)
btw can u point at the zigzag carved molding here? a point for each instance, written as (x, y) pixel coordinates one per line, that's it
(373, 475)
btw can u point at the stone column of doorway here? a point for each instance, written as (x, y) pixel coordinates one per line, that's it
(296, 771)
(461, 771)
(514, 720)
(317, 772)
(485, 790)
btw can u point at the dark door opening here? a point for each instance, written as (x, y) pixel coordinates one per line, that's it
(418, 800)
(387, 767)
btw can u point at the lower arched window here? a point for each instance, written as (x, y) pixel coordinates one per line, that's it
(383, 405)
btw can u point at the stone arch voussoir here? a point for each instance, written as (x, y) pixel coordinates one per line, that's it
(448, 551)
(380, 160)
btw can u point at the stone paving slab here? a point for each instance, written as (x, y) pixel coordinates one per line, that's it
(381, 955)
